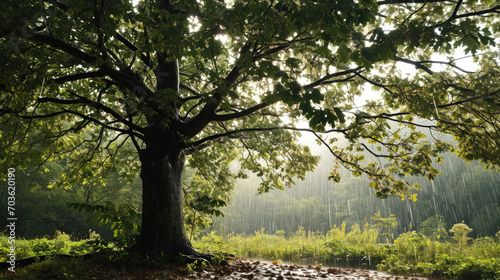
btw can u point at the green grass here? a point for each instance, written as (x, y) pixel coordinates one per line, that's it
(60, 244)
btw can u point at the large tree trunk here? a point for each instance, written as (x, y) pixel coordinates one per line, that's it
(162, 215)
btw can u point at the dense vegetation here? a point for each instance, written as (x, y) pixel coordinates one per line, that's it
(452, 255)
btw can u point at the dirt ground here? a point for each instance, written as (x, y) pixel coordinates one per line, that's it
(248, 269)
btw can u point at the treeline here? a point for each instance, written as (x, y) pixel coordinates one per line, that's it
(464, 192)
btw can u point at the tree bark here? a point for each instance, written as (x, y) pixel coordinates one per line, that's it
(162, 167)
(162, 227)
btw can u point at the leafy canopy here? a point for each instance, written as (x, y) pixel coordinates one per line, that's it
(79, 79)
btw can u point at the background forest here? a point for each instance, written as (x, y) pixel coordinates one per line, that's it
(465, 192)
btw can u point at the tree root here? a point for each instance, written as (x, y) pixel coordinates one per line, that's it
(192, 256)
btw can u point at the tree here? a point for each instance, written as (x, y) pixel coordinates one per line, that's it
(460, 232)
(385, 225)
(208, 82)
(433, 227)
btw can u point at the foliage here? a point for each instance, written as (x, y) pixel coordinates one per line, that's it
(456, 267)
(434, 227)
(411, 253)
(356, 247)
(385, 225)
(61, 243)
(43, 204)
(301, 247)
(124, 218)
(460, 232)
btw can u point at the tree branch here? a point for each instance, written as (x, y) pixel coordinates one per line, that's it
(393, 2)
(63, 46)
(96, 105)
(345, 162)
(417, 64)
(96, 121)
(227, 117)
(195, 95)
(57, 4)
(133, 48)
(455, 11)
(333, 75)
(260, 129)
(495, 10)
(280, 47)
(81, 76)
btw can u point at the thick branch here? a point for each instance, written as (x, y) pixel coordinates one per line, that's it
(417, 64)
(455, 11)
(392, 2)
(329, 76)
(80, 76)
(260, 129)
(207, 114)
(63, 46)
(133, 48)
(227, 117)
(495, 10)
(128, 79)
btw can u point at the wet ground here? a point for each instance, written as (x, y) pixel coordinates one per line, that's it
(248, 269)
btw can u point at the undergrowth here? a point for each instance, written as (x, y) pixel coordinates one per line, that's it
(60, 244)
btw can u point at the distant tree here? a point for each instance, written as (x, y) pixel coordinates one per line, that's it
(460, 232)
(433, 227)
(208, 82)
(385, 225)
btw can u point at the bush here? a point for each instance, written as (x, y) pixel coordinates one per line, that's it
(460, 268)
